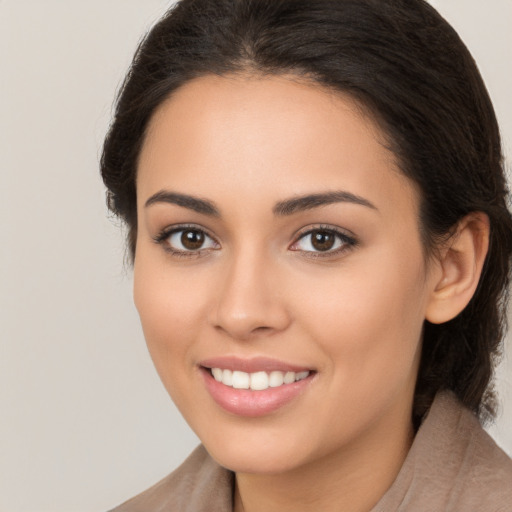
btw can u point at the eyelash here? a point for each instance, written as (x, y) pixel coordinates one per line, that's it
(347, 241)
(163, 237)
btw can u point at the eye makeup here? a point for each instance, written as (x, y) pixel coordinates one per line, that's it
(191, 240)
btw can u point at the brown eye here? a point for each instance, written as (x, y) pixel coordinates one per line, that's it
(323, 240)
(188, 240)
(192, 239)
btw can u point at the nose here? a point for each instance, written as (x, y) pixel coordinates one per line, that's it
(250, 301)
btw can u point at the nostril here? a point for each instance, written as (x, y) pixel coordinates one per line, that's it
(262, 329)
(244, 334)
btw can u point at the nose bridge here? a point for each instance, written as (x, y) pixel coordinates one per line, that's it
(249, 300)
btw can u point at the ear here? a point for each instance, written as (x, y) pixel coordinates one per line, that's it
(460, 266)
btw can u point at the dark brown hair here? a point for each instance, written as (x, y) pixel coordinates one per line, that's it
(405, 64)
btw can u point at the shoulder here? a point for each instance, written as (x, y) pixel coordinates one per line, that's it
(484, 470)
(453, 465)
(198, 485)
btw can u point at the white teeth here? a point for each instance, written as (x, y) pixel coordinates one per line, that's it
(301, 375)
(257, 381)
(227, 377)
(217, 374)
(289, 377)
(241, 380)
(276, 379)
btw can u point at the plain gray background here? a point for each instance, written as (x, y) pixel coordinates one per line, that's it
(85, 422)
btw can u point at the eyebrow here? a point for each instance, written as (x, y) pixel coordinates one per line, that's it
(308, 202)
(282, 208)
(192, 203)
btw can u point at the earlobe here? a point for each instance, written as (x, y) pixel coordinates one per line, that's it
(460, 266)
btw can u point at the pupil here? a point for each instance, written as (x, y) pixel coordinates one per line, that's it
(192, 240)
(323, 240)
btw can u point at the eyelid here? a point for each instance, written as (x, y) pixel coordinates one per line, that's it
(164, 234)
(347, 238)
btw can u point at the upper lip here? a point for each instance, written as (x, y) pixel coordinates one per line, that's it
(252, 365)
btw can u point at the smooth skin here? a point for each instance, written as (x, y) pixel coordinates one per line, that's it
(252, 282)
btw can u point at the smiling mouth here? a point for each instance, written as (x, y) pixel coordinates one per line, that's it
(257, 381)
(254, 387)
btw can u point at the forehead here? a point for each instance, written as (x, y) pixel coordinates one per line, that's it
(263, 137)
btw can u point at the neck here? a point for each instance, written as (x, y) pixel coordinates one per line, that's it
(352, 479)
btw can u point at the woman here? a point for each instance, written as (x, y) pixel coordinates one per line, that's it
(317, 217)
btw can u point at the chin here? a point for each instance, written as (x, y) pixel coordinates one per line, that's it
(255, 461)
(256, 451)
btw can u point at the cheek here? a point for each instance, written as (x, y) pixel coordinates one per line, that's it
(170, 307)
(168, 298)
(368, 317)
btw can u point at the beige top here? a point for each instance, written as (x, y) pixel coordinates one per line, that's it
(452, 466)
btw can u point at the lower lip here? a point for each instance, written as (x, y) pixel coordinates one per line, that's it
(245, 402)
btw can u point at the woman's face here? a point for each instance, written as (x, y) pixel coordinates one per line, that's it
(278, 242)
